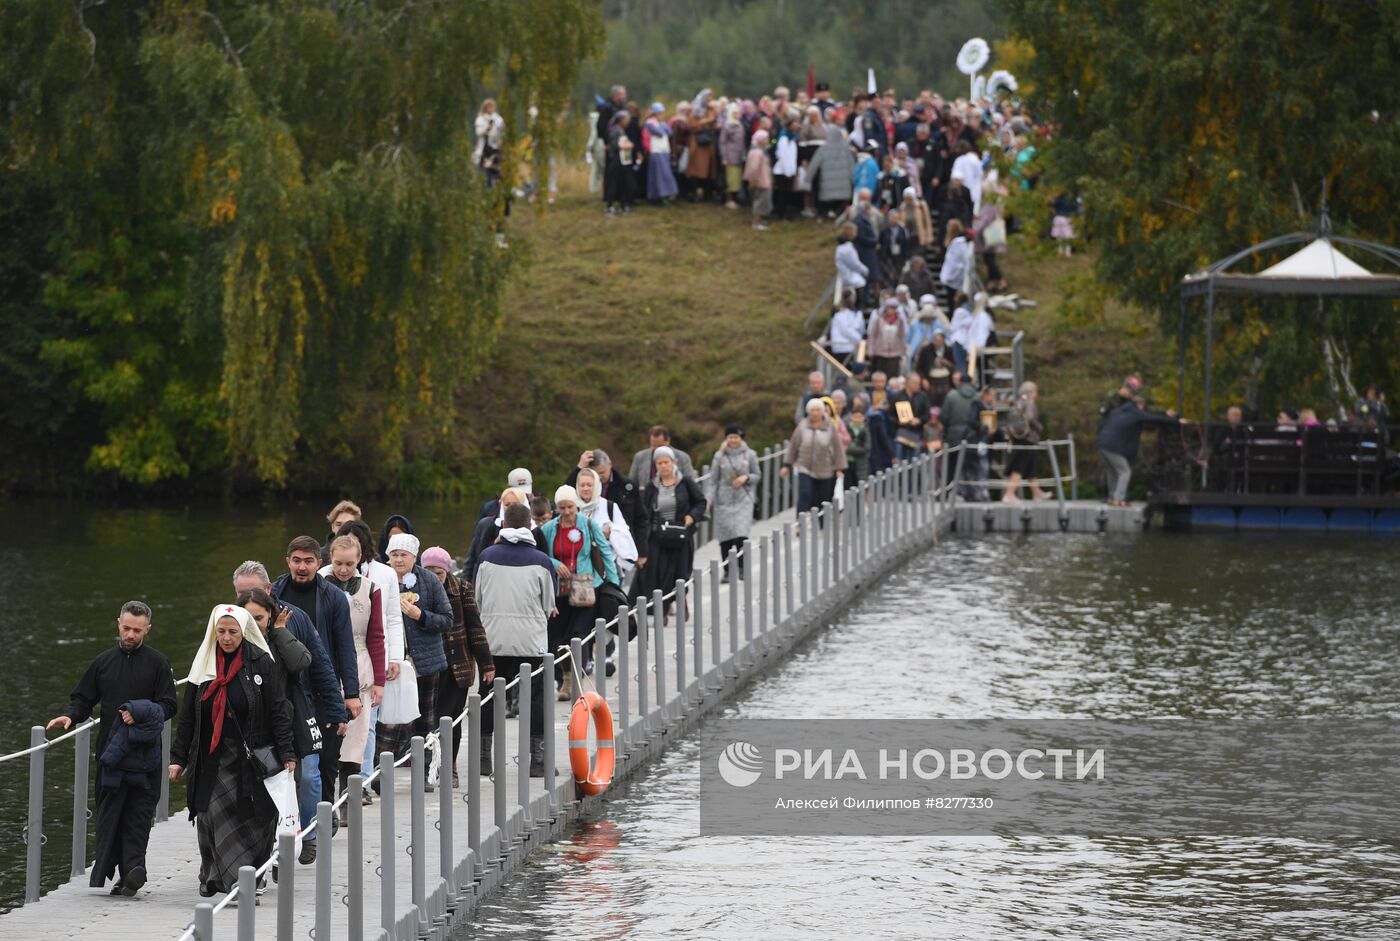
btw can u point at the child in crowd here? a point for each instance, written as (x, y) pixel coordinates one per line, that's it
(758, 174)
(541, 511)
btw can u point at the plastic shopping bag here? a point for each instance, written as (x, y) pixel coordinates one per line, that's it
(840, 493)
(282, 788)
(400, 704)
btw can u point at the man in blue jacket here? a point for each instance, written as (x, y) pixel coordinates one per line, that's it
(1118, 444)
(329, 610)
(320, 683)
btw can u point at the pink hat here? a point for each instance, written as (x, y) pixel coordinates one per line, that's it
(436, 558)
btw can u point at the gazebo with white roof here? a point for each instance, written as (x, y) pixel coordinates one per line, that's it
(1318, 269)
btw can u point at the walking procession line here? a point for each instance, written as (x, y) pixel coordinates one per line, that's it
(798, 572)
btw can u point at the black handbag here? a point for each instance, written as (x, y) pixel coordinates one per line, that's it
(306, 729)
(671, 535)
(263, 758)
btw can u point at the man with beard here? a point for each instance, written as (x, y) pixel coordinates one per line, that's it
(133, 684)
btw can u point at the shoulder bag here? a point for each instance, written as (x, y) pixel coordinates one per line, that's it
(262, 757)
(306, 730)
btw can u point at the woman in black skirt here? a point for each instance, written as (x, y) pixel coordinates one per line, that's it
(672, 504)
(235, 704)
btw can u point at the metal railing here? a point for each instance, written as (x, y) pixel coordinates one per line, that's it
(878, 520)
(794, 567)
(1062, 474)
(774, 496)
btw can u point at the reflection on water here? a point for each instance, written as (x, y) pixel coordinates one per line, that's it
(64, 573)
(1048, 626)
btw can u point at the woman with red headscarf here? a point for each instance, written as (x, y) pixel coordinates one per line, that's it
(234, 712)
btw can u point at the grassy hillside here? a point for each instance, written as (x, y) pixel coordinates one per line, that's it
(683, 316)
(689, 318)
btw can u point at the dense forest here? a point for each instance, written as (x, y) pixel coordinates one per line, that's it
(242, 240)
(670, 49)
(1192, 131)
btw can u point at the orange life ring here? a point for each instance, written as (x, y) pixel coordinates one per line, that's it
(593, 778)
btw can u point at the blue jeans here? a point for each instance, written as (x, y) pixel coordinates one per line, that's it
(309, 791)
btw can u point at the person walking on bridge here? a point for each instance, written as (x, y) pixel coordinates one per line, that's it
(644, 469)
(234, 716)
(515, 592)
(303, 587)
(133, 685)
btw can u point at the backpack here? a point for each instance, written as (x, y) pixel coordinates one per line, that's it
(1017, 425)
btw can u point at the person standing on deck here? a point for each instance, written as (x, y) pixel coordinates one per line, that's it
(1118, 444)
(134, 686)
(327, 607)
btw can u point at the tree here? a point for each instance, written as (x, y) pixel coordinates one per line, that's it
(269, 249)
(1195, 130)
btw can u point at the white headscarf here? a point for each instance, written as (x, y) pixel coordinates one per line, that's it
(206, 664)
(586, 509)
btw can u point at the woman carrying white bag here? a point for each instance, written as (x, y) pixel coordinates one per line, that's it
(234, 746)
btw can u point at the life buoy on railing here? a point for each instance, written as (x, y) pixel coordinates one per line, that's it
(593, 777)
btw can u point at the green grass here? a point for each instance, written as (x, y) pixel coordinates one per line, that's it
(685, 316)
(682, 316)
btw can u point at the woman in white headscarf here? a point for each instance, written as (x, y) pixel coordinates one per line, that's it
(234, 710)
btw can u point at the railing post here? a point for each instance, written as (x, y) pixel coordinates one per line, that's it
(34, 830)
(247, 903)
(204, 921)
(417, 827)
(827, 554)
(788, 607)
(446, 792)
(600, 657)
(324, 859)
(473, 737)
(163, 805)
(354, 857)
(624, 683)
(659, 651)
(522, 737)
(768, 479)
(388, 855)
(682, 699)
(549, 699)
(715, 653)
(499, 800)
(838, 520)
(287, 884)
(643, 629)
(698, 629)
(80, 798)
(763, 580)
(733, 562)
(804, 524)
(746, 565)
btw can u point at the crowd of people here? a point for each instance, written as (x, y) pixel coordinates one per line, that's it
(308, 672)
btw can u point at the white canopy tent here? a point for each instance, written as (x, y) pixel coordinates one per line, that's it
(1318, 269)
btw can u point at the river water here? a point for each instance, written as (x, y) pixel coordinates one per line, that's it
(1104, 627)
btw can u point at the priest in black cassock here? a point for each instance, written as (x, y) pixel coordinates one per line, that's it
(133, 684)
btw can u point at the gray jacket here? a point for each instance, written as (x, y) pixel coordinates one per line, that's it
(515, 592)
(640, 474)
(835, 162)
